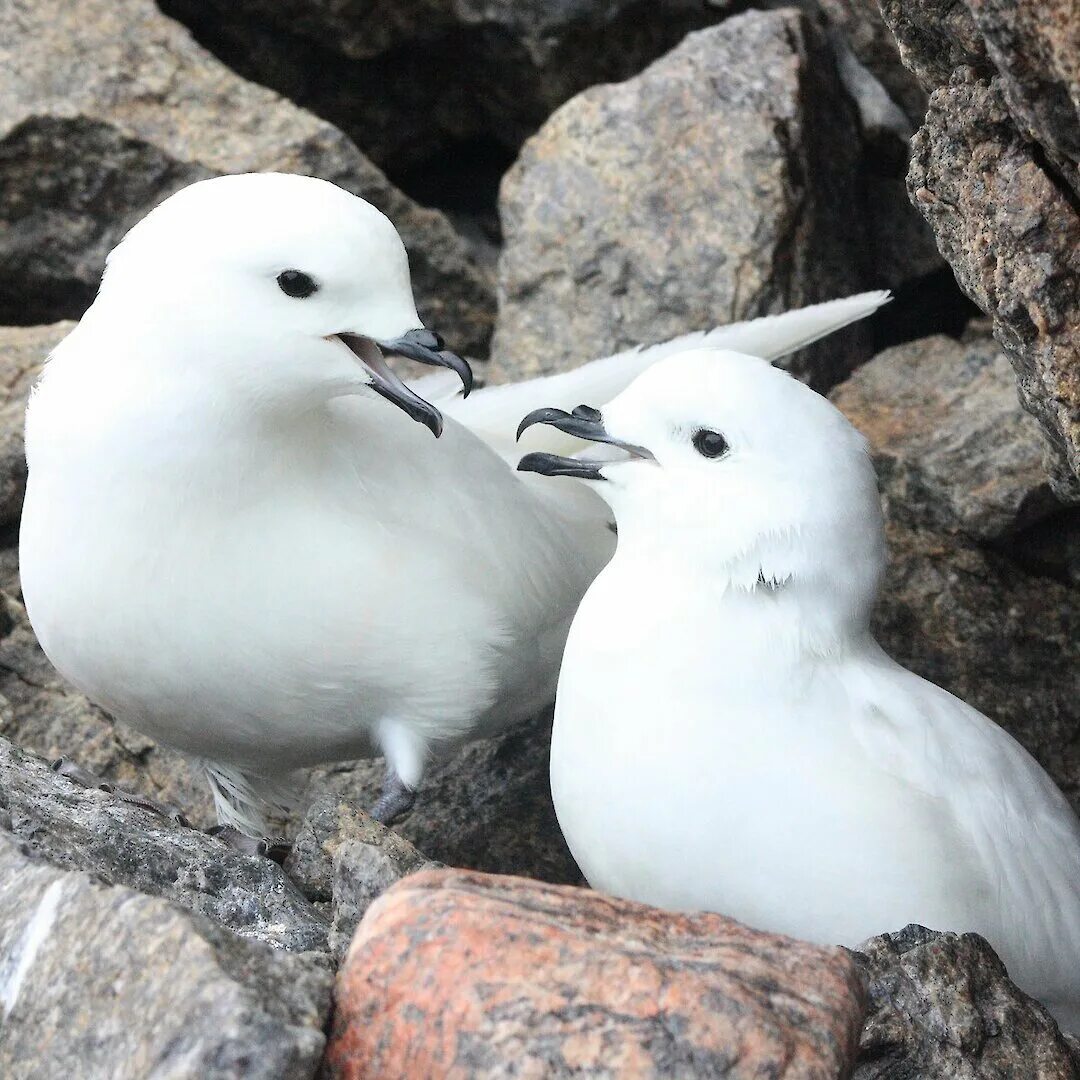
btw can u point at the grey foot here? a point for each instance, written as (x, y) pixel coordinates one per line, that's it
(397, 799)
(74, 771)
(271, 847)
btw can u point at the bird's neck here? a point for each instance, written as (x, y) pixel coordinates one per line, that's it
(755, 606)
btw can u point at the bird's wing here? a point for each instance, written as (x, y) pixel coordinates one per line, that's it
(495, 412)
(1015, 821)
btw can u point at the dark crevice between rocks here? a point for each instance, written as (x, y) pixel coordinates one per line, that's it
(444, 115)
(928, 305)
(1049, 548)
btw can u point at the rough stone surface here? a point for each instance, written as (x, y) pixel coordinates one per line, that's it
(81, 828)
(343, 859)
(22, 351)
(486, 808)
(106, 108)
(1003, 207)
(952, 445)
(1036, 49)
(97, 980)
(715, 186)
(942, 1005)
(457, 974)
(408, 78)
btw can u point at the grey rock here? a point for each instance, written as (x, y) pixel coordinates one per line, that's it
(411, 78)
(343, 859)
(22, 352)
(486, 808)
(107, 108)
(934, 38)
(952, 445)
(99, 981)
(1035, 47)
(716, 185)
(80, 828)
(942, 1005)
(994, 172)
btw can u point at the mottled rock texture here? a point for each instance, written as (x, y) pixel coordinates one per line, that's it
(107, 108)
(409, 79)
(942, 1005)
(954, 450)
(994, 171)
(80, 828)
(486, 808)
(343, 859)
(466, 975)
(717, 185)
(22, 351)
(99, 981)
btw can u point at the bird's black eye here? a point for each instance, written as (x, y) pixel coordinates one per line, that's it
(296, 283)
(710, 444)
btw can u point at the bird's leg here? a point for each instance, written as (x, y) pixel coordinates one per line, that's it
(75, 772)
(406, 755)
(397, 799)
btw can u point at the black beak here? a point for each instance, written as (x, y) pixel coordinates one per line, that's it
(584, 422)
(427, 347)
(386, 383)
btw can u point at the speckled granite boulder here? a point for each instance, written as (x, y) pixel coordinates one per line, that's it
(466, 975)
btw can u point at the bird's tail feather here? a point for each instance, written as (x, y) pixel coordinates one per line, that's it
(494, 412)
(247, 801)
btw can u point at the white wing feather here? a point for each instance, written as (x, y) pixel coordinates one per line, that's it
(494, 412)
(1022, 832)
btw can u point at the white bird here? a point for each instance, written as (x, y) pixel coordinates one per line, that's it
(728, 734)
(233, 540)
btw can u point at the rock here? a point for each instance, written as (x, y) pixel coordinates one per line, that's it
(343, 859)
(411, 80)
(942, 1005)
(715, 186)
(488, 807)
(934, 38)
(1003, 207)
(952, 445)
(81, 828)
(1035, 47)
(22, 351)
(1006, 641)
(109, 107)
(864, 29)
(43, 713)
(97, 980)
(459, 974)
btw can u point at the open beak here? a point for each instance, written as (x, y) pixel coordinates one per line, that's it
(422, 345)
(584, 422)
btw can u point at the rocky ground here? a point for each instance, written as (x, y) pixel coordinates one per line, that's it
(569, 178)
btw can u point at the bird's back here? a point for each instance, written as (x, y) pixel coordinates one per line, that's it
(700, 760)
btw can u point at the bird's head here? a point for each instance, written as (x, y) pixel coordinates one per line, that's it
(284, 289)
(729, 465)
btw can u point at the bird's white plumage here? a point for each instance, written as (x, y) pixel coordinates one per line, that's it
(231, 543)
(728, 735)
